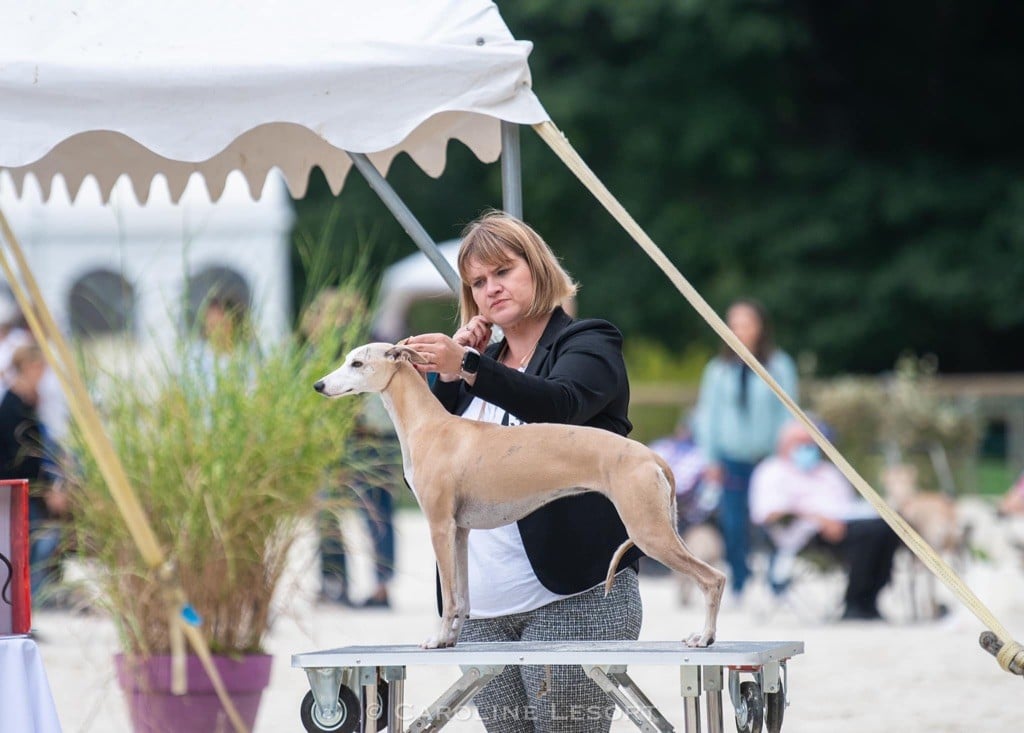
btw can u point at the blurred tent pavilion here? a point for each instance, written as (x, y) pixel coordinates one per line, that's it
(138, 274)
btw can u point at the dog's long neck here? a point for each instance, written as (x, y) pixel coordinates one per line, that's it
(412, 408)
(408, 400)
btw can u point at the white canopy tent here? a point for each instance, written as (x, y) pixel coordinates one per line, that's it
(115, 87)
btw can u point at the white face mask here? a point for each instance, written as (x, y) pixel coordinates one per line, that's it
(806, 457)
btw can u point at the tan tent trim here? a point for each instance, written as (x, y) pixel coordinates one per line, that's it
(1011, 654)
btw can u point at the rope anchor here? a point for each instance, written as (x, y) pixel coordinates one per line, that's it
(1010, 656)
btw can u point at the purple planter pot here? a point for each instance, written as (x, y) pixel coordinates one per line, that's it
(153, 709)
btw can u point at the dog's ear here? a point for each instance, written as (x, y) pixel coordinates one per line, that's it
(396, 353)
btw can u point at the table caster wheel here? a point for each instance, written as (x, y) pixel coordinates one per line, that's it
(750, 716)
(774, 709)
(348, 714)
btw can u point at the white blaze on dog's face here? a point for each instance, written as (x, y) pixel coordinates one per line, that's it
(366, 369)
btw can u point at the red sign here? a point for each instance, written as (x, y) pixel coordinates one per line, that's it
(15, 589)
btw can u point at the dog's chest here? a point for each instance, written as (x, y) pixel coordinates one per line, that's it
(407, 471)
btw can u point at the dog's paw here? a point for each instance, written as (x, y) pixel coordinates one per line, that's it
(699, 641)
(439, 642)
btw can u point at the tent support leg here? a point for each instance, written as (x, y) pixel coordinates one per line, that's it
(511, 170)
(406, 218)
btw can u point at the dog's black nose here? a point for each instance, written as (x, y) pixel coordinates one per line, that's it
(319, 386)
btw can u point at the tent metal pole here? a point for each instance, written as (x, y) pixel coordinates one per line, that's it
(406, 218)
(511, 170)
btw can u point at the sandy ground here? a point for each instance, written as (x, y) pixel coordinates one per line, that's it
(900, 675)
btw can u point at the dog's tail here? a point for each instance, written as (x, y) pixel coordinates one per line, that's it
(616, 558)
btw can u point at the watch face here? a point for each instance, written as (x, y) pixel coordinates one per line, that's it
(470, 362)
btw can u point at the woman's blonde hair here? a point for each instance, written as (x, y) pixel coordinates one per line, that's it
(490, 240)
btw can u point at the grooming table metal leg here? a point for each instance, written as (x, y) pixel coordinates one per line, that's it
(395, 677)
(439, 714)
(368, 683)
(768, 677)
(689, 682)
(616, 684)
(713, 691)
(324, 683)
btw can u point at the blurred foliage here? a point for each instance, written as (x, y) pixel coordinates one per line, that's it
(898, 419)
(226, 451)
(648, 360)
(856, 166)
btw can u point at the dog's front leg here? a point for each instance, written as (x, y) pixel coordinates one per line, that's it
(461, 580)
(443, 534)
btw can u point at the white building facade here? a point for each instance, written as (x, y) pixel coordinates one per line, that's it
(137, 274)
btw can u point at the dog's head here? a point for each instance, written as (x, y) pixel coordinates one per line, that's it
(367, 368)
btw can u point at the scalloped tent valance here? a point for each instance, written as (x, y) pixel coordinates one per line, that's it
(113, 88)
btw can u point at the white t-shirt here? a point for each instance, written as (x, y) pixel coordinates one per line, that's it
(777, 485)
(501, 579)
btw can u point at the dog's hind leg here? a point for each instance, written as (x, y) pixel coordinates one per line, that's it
(651, 525)
(669, 550)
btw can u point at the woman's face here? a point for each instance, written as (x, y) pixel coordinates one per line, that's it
(503, 293)
(745, 323)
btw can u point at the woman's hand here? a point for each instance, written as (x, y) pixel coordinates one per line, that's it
(476, 334)
(444, 354)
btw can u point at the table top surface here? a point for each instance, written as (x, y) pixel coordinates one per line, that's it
(724, 653)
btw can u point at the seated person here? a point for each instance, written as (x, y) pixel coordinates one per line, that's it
(799, 497)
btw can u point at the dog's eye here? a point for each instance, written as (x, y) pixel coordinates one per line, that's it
(357, 365)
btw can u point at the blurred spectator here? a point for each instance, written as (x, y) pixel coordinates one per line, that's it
(694, 502)
(12, 335)
(372, 463)
(224, 326)
(738, 421)
(800, 498)
(1012, 503)
(25, 452)
(52, 407)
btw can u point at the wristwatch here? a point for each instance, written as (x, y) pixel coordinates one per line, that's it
(470, 361)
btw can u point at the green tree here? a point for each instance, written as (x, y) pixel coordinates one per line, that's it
(856, 166)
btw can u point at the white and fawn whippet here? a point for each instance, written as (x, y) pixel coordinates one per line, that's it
(473, 475)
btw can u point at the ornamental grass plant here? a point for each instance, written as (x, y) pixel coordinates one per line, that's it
(227, 453)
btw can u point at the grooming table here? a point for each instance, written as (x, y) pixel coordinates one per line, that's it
(345, 683)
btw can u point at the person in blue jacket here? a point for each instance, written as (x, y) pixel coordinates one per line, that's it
(738, 423)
